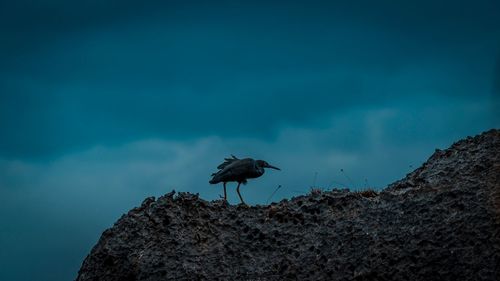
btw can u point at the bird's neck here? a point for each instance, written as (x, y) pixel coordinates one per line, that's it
(260, 170)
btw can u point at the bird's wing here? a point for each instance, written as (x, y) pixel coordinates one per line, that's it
(238, 167)
(227, 161)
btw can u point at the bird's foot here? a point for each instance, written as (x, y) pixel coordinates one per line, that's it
(243, 205)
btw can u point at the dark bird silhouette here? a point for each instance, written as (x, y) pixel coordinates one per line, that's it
(239, 170)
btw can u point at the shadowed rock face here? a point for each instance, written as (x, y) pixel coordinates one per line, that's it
(441, 222)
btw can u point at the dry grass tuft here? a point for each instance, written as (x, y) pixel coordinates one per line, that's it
(316, 191)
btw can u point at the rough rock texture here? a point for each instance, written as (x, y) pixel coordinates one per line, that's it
(441, 222)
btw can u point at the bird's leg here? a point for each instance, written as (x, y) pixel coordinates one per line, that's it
(225, 194)
(238, 190)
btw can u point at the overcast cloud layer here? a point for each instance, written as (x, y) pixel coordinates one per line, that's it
(104, 104)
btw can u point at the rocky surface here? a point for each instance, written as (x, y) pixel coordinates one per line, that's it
(441, 222)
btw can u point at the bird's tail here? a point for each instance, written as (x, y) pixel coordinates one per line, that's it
(215, 179)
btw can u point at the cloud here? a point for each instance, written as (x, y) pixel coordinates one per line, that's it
(109, 74)
(63, 117)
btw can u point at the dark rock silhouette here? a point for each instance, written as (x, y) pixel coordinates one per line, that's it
(441, 222)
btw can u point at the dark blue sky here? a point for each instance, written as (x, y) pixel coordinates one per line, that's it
(103, 104)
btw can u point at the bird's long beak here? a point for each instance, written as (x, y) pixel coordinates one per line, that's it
(272, 167)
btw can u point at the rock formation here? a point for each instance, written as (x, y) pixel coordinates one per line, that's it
(441, 222)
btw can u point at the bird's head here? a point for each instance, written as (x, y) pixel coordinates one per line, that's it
(264, 164)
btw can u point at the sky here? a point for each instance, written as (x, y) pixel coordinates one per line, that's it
(104, 103)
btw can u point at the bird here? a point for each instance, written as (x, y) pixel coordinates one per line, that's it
(239, 170)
